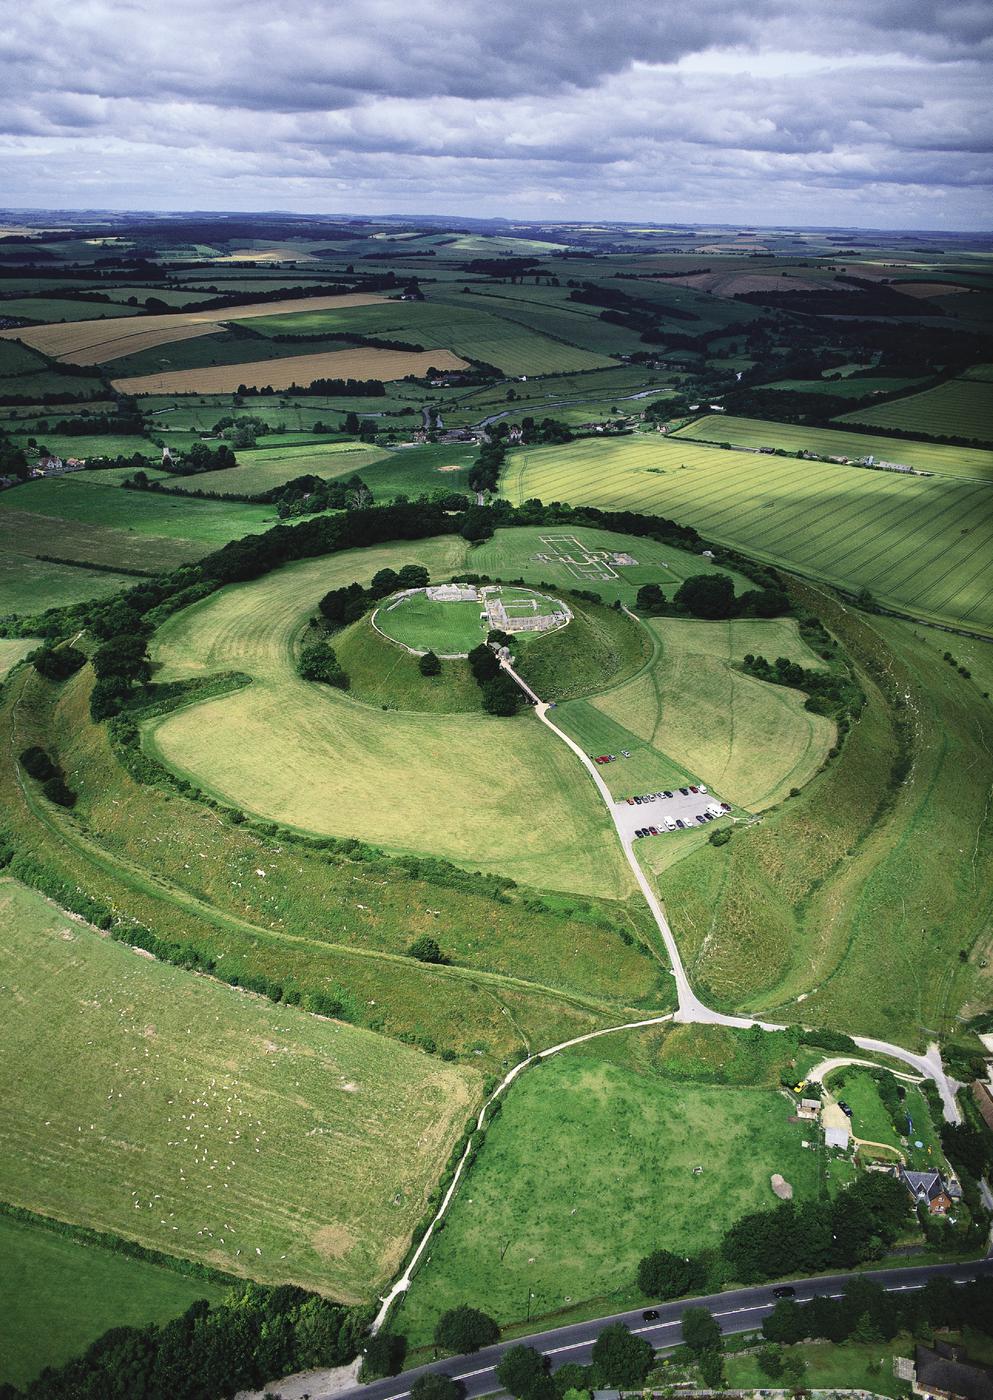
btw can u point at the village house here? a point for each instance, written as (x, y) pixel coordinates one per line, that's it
(931, 1189)
(946, 1372)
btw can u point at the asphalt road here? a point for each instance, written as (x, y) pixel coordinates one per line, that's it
(737, 1311)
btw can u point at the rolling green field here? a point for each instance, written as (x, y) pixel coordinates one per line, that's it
(575, 1183)
(207, 1122)
(971, 463)
(265, 467)
(957, 408)
(919, 545)
(14, 650)
(58, 1295)
(89, 445)
(864, 903)
(466, 327)
(211, 523)
(44, 309)
(690, 716)
(335, 769)
(30, 585)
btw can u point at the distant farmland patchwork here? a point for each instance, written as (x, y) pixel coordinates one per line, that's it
(918, 544)
(292, 369)
(959, 408)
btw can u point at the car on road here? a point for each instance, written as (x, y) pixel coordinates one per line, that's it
(784, 1291)
(649, 1315)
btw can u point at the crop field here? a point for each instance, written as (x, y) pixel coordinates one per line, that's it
(968, 462)
(875, 917)
(425, 783)
(958, 408)
(691, 716)
(291, 369)
(207, 1122)
(44, 309)
(58, 1295)
(90, 342)
(575, 1183)
(581, 558)
(919, 545)
(465, 326)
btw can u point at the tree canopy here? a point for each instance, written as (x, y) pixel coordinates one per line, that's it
(464, 1329)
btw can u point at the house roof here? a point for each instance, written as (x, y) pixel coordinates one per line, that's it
(923, 1185)
(965, 1379)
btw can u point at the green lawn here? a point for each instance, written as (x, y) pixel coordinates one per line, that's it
(207, 1122)
(866, 1366)
(29, 585)
(449, 629)
(590, 1166)
(58, 1295)
(918, 544)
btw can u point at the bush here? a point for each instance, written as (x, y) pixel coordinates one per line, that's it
(429, 665)
(464, 1329)
(319, 662)
(665, 1275)
(426, 950)
(108, 697)
(58, 664)
(37, 762)
(770, 1361)
(521, 1370)
(720, 836)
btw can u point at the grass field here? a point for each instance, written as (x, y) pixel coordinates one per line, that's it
(57, 1296)
(266, 467)
(291, 369)
(691, 716)
(450, 629)
(14, 650)
(861, 904)
(91, 342)
(968, 462)
(918, 544)
(850, 1366)
(411, 782)
(209, 1123)
(43, 309)
(576, 1180)
(87, 445)
(957, 408)
(29, 585)
(544, 554)
(211, 523)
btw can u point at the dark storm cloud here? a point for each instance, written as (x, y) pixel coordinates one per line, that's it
(642, 109)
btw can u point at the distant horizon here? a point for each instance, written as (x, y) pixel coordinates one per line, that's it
(576, 221)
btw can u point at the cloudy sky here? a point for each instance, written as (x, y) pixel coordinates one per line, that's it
(871, 113)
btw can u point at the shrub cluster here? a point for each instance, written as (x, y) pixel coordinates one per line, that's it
(500, 694)
(712, 596)
(36, 762)
(827, 693)
(352, 601)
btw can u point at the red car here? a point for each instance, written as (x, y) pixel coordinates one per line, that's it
(693, 789)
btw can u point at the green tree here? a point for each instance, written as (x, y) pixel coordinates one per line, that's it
(55, 790)
(383, 1355)
(319, 662)
(521, 1369)
(770, 1361)
(701, 1331)
(465, 1329)
(435, 1386)
(413, 576)
(663, 1274)
(37, 762)
(429, 665)
(622, 1358)
(58, 663)
(712, 1370)
(501, 696)
(483, 663)
(426, 950)
(108, 697)
(383, 582)
(707, 595)
(124, 657)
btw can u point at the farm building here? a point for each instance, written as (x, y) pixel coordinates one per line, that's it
(808, 1109)
(837, 1129)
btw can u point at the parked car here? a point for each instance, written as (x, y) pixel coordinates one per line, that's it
(685, 791)
(726, 806)
(638, 801)
(680, 823)
(653, 831)
(693, 789)
(703, 787)
(667, 794)
(844, 1108)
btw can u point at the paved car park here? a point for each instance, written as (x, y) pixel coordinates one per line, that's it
(653, 812)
